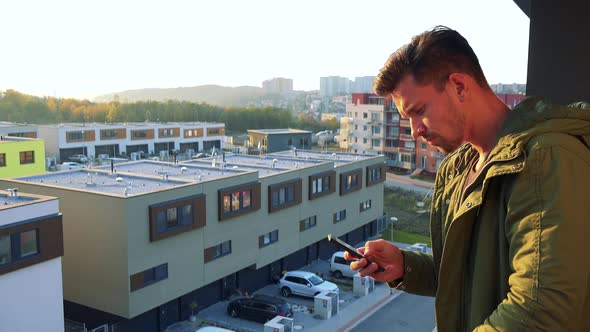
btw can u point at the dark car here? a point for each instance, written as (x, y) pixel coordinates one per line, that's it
(260, 308)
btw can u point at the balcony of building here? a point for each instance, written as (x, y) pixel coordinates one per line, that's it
(405, 123)
(406, 137)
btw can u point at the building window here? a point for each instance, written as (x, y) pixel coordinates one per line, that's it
(77, 136)
(322, 184)
(375, 174)
(375, 117)
(423, 146)
(364, 141)
(108, 133)
(5, 250)
(356, 114)
(406, 158)
(356, 127)
(365, 205)
(365, 115)
(284, 195)
(27, 157)
(407, 131)
(350, 181)
(376, 130)
(2, 159)
(167, 132)
(268, 238)
(148, 277)
(376, 142)
(178, 216)
(364, 128)
(240, 200)
(218, 251)
(339, 216)
(18, 246)
(307, 223)
(139, 134)
(213, 131)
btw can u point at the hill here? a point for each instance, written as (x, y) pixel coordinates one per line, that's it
(210, 94)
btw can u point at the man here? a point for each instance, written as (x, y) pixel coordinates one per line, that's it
(510, 205)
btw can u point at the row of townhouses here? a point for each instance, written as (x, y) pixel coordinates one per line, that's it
(93, 140)
(145, 239)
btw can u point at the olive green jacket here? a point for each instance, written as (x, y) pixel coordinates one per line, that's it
(510, 251)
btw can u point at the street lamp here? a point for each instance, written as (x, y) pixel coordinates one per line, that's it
(393, 220)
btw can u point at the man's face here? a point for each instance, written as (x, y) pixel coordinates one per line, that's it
(433, 115)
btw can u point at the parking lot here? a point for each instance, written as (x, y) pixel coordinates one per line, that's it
(304, 319)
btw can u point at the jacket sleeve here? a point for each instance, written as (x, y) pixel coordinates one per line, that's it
(419, 276)
(546, 228)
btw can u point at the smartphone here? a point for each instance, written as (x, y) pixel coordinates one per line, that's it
(345, 246)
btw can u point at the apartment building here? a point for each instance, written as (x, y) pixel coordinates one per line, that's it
(145, 240)
(20, 156)
(373, 126)
(31, 247)
(67, 139)
(277, 85)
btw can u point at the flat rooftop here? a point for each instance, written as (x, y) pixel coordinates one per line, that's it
(100, 181)
(144, 176)
(8, 200)
(279, 131)
(186, 171)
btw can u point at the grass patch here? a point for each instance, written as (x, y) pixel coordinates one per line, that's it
(411, 218)
(405, 237)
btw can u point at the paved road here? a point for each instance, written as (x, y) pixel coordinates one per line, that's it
(407, 313)
(406, 183)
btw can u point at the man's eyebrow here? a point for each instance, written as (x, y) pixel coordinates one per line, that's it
(408, 111)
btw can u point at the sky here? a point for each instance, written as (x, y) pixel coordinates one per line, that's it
(83, 48)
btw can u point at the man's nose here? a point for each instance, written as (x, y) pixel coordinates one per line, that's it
(417, 128)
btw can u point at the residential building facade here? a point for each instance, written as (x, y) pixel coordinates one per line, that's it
(373, 126)
(92, 140)
(334, 86)
(31, 247)
(20, 156)
(147, 239)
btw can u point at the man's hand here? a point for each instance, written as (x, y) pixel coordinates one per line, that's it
(381, 254)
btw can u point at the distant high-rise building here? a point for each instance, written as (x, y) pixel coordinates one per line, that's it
(277, 85)
(363, 84)
(334, 86)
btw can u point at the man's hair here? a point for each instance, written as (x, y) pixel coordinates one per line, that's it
(430, 58)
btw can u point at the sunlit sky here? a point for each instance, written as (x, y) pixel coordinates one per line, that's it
(82, 49)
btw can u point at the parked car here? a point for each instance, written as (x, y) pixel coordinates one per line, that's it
(420, 247)
(79, 158)
(201, 155)
(340, 267)
(304, 283)
(260, 308)
(70, 165)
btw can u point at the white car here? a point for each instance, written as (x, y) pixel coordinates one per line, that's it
(70, 165)
(341, 267)
(420, 247)
(305, 284)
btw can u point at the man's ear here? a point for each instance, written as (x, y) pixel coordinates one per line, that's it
(458, 84)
